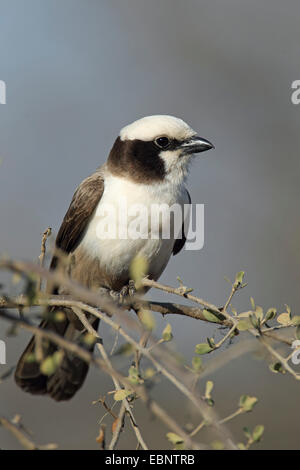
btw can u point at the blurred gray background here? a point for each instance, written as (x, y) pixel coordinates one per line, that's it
(79, 70)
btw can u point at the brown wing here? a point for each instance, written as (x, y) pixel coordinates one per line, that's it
(180, 242)
(82, 206)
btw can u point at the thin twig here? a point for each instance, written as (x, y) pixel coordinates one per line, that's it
(45, 237)
(22, 438)
(100, 346)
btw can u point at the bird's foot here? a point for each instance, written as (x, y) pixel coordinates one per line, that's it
(125, 293)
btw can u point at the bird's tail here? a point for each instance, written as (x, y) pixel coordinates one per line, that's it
(68, 376)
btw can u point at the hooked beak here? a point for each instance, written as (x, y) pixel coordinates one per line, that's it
(196, 144)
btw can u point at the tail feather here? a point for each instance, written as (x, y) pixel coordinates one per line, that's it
(67, 378)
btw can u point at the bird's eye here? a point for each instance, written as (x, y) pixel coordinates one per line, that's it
(162, 142)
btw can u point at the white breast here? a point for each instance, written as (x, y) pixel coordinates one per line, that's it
(109, 234)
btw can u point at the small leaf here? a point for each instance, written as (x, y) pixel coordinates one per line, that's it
(121, 394)
(284, 319)
(89, 339)
(244, 325)
(239, 278)
(197, 363)
(126, 349)
(209, 401)
(247, 403)
(241, 446)
(30, 358)
(149, 373)
(210, 316)
(245, 314)
(252, 303)
(271, 313)
(167, 333)
(138, 270)
(255, 321)
(147, 319)
(217, 445)
(134, 376)
(59, 317)
(258, 432)
(259, 313)
(296, 320)
(51, 363)
(203, 348)
(234, 311)
(208, 388)
(277, 367)
(174, 438)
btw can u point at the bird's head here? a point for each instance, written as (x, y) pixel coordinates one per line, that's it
(155, 148)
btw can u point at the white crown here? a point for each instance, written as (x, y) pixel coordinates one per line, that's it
(150, 127)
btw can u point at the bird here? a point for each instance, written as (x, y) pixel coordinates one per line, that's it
(148, 164)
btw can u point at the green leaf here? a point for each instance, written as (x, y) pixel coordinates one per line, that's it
(234, 311)
(138, 270)
(208, 388)
(254, 320)
(241, 446)
(252, 303)
(51, 363)
(284, 319)
(247, 403)
(210, 316)
(203, 348)
(217, 445)
(197, 363)
(296, 320)
(209, 401)
(271, 313)
(30, 358)
(174, 438)
(245, 314)
(126, 349)
(167, 333)
(147, 319)
(239, 278)
(258, 432)
(121, 394)
(134, 376)
(277, 367)
(149, 373)
(259, 313)
(244, 325)
(89, 339)
(59, 317)
(211, 342)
